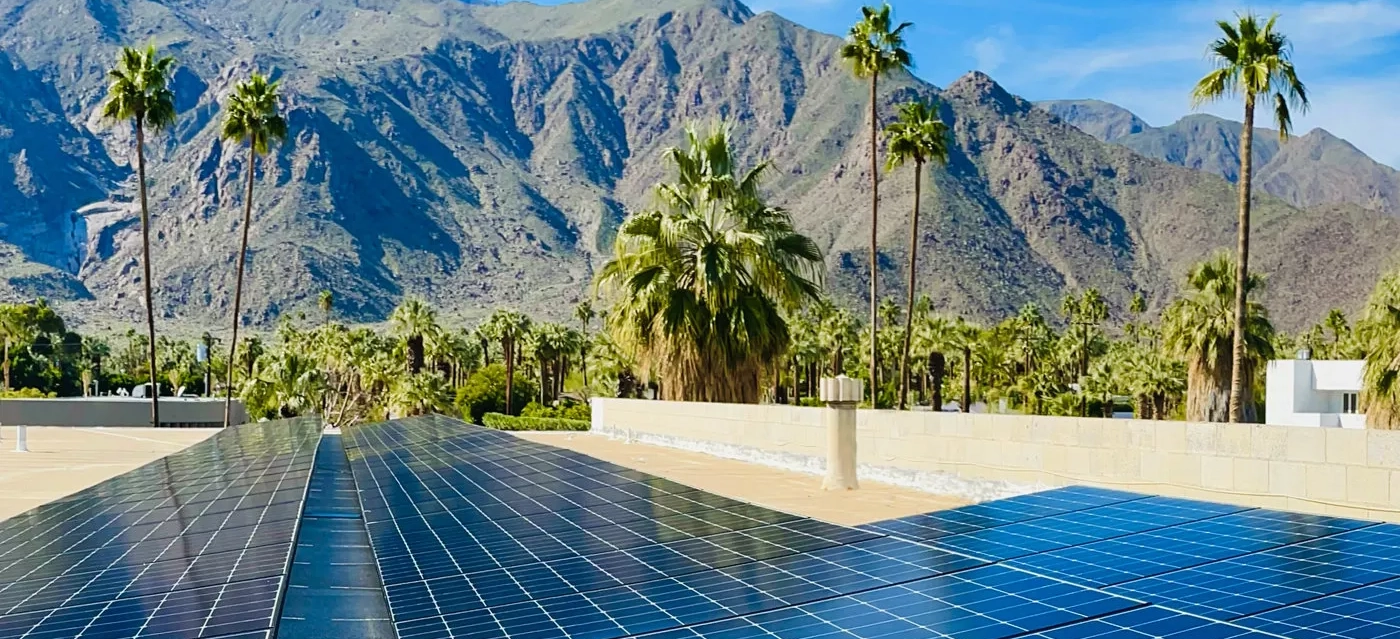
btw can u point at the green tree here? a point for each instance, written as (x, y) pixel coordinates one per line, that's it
(1379, 332)
(414, 321)
(508, 327)
(919, 136)
(698, 285)
(140, 92)
(874, 47)
(420, 394)
(252, 118)
(1199, 327)
(584, 313)
(326, 302)
(1254, 61)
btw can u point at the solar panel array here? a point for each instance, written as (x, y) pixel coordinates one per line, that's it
(482, 534)
(193, 545)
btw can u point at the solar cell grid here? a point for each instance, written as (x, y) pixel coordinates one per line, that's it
(1286, 575)
(182, 560)
(931, 526)
(1149, 622)
(1042, 534)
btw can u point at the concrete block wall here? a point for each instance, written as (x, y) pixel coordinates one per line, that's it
(1344, 472)
(115, 412)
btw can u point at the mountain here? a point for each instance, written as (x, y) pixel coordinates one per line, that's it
(483, 154)
(1306, 171)
(1105, 121)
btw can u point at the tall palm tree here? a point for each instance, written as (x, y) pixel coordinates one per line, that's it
(919, 136)
(1199, 328)
(510, 327)
(584, 313)
(140, 92)
(413, 322)
(1379, 331)
(700, 284)
(326, 301)
(252, 117)
(1252, 60)
(875, 46)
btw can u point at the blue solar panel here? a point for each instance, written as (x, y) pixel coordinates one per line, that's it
(1149, 622)
(1273, 578)
(936, 525)
(194, 545)
(1369, 612)
(986, 603)
(1080, 527)
(1160, 551)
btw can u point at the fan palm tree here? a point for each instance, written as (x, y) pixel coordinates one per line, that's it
(413, 321)
(509, 327)
(1379, 332)
(699, 285)
(326, 301)
(1252, 60)
(584, 313)
(252, 118)
(420, 394)
(140, 92)
(875, 46)
(1199, 328)
(919, 136)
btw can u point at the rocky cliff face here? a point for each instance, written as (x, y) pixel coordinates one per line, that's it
(483, 155)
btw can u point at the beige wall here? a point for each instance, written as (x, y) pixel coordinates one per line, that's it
(1353, 473)
(117, 411)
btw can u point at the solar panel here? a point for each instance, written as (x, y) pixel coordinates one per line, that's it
(1043, 534)
(1364, 613)
(1261, 581)
(1149, 622)
(1155, 552)
(993, 602)
(936, 525)
(194, 545)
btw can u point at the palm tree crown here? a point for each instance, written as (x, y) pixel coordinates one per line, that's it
(252, 114)
(699, 284)
(918, 136)
(1253, 60)
(874, 48)
(140, 88)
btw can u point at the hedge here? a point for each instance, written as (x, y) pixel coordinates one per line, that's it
(507, 422)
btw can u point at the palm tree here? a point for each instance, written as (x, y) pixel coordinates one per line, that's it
(140, 91)
(921, 137)
(413, 321)
(699, 285)
(420, 394)
(934, 336)
(253, 119)
(584, 313)
(510, 327)
(326, 302)
(1251, 60)
(1379, 331)
(1199, 328)
(873, 48)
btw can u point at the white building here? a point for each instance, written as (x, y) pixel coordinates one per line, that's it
(1305, 392)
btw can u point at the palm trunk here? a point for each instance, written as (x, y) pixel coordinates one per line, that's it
(1237, 372)
(874, 238)
(967, 380)
(7, 362)
(146, 263)
(238, 285)
(938, 366)
(507, 346)
(913, 264)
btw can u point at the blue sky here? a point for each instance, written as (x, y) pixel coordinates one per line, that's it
(1146, 55)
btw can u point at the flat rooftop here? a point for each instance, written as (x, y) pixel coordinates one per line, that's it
(64, 460)
(787, 491)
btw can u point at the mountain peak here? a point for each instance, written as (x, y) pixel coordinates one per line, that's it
(980, 88)
(1105, 121)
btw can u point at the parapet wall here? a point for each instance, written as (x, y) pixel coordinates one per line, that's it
(1344, 472)
(117, 412)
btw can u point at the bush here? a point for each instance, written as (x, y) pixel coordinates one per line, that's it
(506, 422)
(485, 392)
(568, 410)
(25, 393)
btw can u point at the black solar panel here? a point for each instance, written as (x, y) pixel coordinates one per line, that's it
(193, 545)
